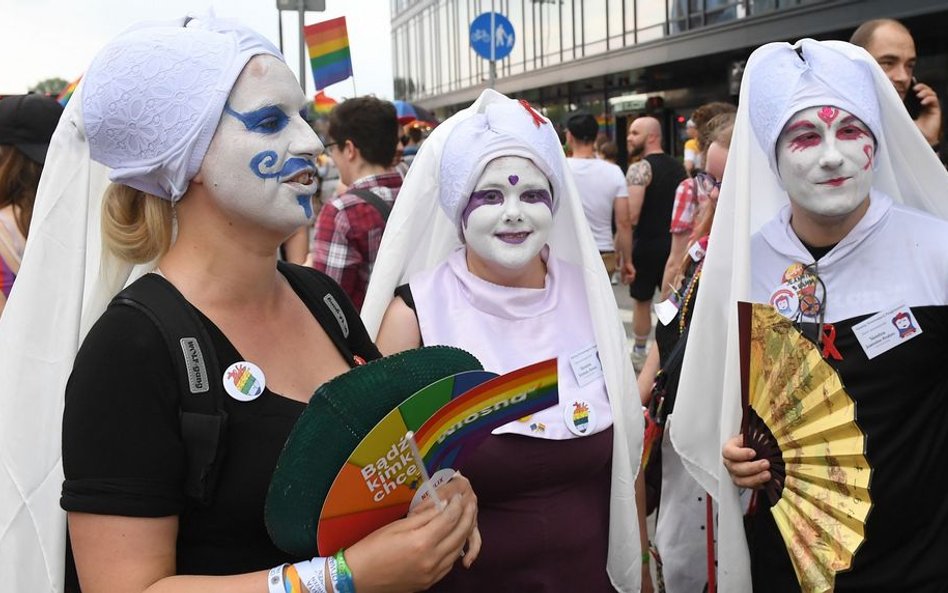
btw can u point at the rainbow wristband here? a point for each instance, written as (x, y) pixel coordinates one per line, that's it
(342, 580)
(291, 580)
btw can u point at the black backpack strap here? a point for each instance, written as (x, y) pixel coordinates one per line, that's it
(322, 303)
(373, 200)
(203, 419)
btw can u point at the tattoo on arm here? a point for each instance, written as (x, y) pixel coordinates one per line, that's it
(640, 173)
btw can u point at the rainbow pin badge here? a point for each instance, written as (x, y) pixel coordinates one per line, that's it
(580, 417)
(244, 381)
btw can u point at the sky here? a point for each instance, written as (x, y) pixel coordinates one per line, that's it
(42, 39)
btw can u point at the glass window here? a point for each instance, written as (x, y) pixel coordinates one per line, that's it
(550, 16)
(650, 18)
(630, 22)
(594, 26)
(569, 26)
(614, 23)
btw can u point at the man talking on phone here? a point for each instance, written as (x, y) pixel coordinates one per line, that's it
(892, 46)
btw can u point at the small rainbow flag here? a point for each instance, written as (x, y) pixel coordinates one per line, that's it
(328, 44)
(67, 92)
(323, 104)
(605, 123)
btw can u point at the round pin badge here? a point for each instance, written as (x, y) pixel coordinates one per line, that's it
(244, 381)
(785, 301)
(580, 417)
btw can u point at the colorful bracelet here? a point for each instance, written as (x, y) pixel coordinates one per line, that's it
(342, 582)
(646, 557)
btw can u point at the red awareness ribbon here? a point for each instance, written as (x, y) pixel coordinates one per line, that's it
(537, 118)
(829, 342)
(358, 360)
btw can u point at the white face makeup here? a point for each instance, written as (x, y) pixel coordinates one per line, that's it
(261, 162)
(509, 215)
(824, 157)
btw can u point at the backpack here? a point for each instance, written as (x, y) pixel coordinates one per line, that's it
(383, 207)
(203, 416)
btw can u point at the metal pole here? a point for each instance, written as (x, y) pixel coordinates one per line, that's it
(493, 46)
(280, 27)
(302, 10)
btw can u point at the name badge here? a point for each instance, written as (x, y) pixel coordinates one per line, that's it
(586, 365)
(886, 330)
(666, 311)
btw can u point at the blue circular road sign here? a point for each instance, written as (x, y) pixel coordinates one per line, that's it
(500, 36)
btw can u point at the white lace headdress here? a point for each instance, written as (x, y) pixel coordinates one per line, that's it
(504, 129)
(154, 97)
(147, 107)
(419, 235)
(780, 79)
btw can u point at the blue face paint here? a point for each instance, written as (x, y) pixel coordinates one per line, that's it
(266, 120)
(307, 204)
(267, 159)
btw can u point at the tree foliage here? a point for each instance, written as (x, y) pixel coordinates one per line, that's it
(50, 86)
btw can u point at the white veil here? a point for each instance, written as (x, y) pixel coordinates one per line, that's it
(419, 236)
(65, 282)
(63, 286)
(708, 407)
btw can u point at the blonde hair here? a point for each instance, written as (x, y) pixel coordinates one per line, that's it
(136, 227)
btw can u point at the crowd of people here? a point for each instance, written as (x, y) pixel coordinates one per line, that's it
(179, 300)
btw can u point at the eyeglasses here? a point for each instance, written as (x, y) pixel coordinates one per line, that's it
(329, 145)
(706, 183)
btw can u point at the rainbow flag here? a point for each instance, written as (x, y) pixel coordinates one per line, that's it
(323, 104)
(328, 44)
(64, 96)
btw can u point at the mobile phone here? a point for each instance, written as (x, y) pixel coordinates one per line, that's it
(912, 103)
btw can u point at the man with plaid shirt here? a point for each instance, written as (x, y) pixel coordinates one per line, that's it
(363, 135)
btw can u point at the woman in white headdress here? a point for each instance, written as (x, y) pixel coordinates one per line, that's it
(199, 122)
(507, 270)
(827, 175)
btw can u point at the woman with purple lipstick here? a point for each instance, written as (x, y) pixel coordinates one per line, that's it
(508, 270)
(211, 163)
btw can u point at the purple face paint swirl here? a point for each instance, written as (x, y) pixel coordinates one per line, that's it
(513, 179)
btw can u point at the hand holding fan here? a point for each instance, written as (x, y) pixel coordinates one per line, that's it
(798, 416)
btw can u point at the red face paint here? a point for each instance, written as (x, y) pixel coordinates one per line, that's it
(804, 141)
(828, 114)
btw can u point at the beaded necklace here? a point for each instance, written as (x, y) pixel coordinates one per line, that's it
(689, 293)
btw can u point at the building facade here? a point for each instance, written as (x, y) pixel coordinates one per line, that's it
(621, 58)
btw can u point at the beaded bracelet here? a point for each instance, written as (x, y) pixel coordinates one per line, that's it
(342, 582)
